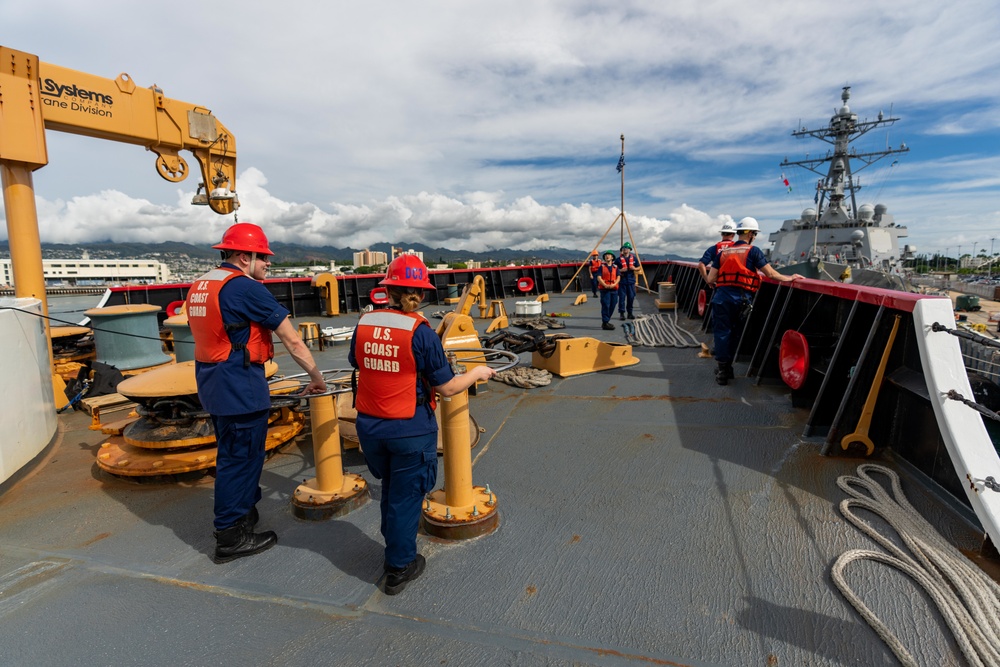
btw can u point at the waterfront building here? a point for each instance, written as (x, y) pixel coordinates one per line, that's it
(86, 271)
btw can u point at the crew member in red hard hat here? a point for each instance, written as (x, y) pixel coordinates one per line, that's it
(401, 365)
(232, 315)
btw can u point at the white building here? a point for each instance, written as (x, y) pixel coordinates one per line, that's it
(94, 271)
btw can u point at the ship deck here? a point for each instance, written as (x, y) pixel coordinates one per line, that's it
(647, 516)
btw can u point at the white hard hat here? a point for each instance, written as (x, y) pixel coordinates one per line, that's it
(728, 227)
(747, 224)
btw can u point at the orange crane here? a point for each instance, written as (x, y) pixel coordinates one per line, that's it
(37, 96)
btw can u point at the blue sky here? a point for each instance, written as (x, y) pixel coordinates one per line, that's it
(476, 125)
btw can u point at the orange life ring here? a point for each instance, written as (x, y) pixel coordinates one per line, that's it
(525, 285)
(702, 302)
(173, 308)
(379, 296)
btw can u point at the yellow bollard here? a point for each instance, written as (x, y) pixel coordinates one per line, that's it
(460, 510)
(333, 492)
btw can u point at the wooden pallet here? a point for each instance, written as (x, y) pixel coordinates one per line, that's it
(107, 408)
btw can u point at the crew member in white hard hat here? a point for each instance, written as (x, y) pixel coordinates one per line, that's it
(735, 273)
(728, 231)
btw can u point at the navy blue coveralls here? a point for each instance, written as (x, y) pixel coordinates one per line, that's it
(403, 452)
(626, 288)
(239, 401)
(727, 306)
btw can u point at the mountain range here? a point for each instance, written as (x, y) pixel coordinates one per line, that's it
(286, 253)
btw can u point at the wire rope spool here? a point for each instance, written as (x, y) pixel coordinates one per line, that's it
(183, 339)
(128, 337)
(172, 433)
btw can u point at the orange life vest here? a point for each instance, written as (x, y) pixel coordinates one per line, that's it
(722, 245)
(387, 369)
(211, 335)
(609, 274)
(595, 266)
(626, 264)
(733, 271)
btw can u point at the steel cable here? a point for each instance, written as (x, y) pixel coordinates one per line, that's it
(967, 599)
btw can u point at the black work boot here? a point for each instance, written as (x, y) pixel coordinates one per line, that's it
(729, 372)
(251, 518)
(723, 373)
(396, 580)
(239, 540)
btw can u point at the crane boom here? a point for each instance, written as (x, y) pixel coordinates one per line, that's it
(37, 96)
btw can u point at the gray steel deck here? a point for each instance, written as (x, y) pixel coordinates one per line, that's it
(647, 516)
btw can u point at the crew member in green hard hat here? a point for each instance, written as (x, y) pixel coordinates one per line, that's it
(608, 281)
(735, 275)
(628, 266)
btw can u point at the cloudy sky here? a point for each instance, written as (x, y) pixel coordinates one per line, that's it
(470, 124)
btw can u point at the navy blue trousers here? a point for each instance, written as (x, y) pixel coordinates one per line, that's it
(408, 470)
(727, 322)
(609, 298)
(238, 465)
(626, 297)
(594, 285)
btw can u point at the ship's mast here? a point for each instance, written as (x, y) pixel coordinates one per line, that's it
(838, 182)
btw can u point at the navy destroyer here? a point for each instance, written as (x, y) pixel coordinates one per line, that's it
(839, 239)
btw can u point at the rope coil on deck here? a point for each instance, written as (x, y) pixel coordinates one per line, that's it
(968, 600)
(525, 376)
(659, 331)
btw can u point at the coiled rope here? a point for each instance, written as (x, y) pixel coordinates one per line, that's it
(968, 600)
(524, 376)
(660, 331)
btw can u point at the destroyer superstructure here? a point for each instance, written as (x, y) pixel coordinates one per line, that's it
(839, 239)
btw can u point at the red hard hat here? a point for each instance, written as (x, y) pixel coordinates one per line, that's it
(245, 237)
(407, 271)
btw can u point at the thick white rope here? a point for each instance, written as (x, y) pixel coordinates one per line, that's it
(968, 599)
(659, 331)
(524, 376)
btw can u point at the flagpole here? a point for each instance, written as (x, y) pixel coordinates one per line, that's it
(621, 163)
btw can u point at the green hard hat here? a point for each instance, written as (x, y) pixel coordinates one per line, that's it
(608, 252)
(626, 245)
